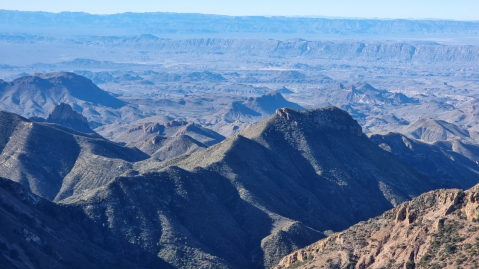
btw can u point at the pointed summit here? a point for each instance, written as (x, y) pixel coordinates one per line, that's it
(63, 114)
(284, 90)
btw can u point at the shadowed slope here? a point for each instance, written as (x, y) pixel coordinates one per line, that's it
(63, 114)
(36, 233)
(249, 200)
(43, 156)
(451, 163)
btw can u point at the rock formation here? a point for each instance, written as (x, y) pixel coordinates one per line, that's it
(63, 114)
(438, 229)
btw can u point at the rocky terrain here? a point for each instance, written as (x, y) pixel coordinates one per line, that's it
(170, 139)
(266, 203)
(63, 114)
(37, 233)
(165, 140)
(37, 95)
(54, 161)
(452, 162)
(435, 230)
(438, 130)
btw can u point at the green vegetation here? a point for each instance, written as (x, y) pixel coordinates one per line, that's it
(446, 238)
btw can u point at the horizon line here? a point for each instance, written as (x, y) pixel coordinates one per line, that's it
(263, 16)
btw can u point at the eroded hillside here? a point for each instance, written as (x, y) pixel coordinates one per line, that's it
(438, 229)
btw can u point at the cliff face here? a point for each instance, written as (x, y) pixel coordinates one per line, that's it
(371, 51)
(438, 229)
(63, 114)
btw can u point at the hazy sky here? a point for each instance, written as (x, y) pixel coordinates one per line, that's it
(442, 9)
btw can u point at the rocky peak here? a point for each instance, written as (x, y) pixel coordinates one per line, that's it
(284, 90)
(267, 96)
(63, 114)
(174, 123)
(155, 127)
(331, 117)
(366, 87)
(399, 98)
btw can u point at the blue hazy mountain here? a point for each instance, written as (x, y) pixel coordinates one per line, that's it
(178, 23)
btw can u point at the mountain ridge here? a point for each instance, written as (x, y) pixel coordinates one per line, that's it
(209, 24)
(274, 188)
(38, 94)
(51, 159)
(263, 196)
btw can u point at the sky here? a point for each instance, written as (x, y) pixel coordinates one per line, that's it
(406, 9)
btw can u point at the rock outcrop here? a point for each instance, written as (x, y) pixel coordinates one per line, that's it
(438, 229)
(63, 114)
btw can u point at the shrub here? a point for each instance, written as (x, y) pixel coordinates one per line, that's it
(451, 249)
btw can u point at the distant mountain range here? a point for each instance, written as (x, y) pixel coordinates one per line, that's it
(253, 109)
(432, 130)
(177, 23)
(194, 141)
